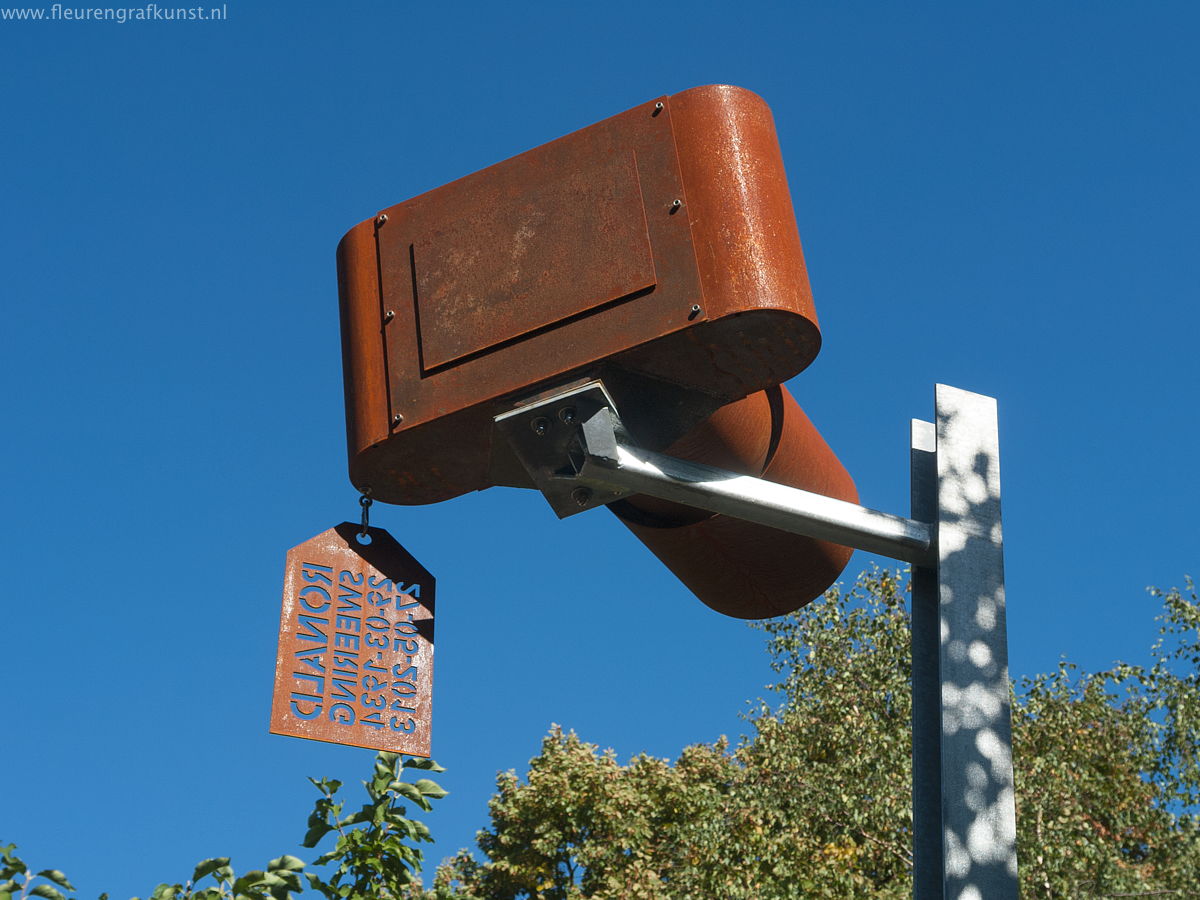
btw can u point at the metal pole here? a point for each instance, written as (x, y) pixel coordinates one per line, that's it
(926, 679)
(978, 853)
(635, 470)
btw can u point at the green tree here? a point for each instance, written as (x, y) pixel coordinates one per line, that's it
(813, 803)
(1108, 772)
(374, 856)
(20, 883)
(371, 857)
(816, 801)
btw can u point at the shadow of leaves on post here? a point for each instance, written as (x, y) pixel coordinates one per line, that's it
(978, 801)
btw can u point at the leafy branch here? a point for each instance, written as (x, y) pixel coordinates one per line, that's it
(371, 856)
(370, 859)
(14, 866)
(281, 878)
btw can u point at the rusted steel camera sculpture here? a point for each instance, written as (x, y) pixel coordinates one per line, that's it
(609, 319)
(654, 253)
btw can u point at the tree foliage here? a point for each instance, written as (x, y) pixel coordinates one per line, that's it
(1108, 776)
(372, 857)
(816, 801)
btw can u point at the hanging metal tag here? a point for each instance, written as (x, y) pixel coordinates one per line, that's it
(355, 660)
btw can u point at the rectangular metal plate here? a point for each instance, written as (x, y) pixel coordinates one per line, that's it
(355, 659)
(601, 206)
(500, 262)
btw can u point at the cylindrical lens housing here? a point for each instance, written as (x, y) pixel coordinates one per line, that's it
(736, 567)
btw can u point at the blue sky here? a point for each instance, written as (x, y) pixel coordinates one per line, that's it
(1002, 198)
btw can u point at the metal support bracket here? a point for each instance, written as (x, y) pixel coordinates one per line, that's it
(578, 454)
(547, 435)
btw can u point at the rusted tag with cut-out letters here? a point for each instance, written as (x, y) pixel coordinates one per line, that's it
(355, 661)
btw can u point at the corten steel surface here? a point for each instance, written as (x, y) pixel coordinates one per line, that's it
(355, 661)
(656, 250)
(733, 566)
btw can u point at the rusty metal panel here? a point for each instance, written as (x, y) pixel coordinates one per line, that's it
(500, 258)
(663, 256)
(596, 331)
(355, 660)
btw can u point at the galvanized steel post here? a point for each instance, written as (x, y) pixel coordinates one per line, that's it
(964, 811)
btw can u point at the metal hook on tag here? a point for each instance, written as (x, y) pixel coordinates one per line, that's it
(365, 502)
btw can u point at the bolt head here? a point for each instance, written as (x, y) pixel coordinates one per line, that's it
(389, 315)
(540, 426)
(380, 219)
(397, 419)
(581, 495)
(568, 415)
